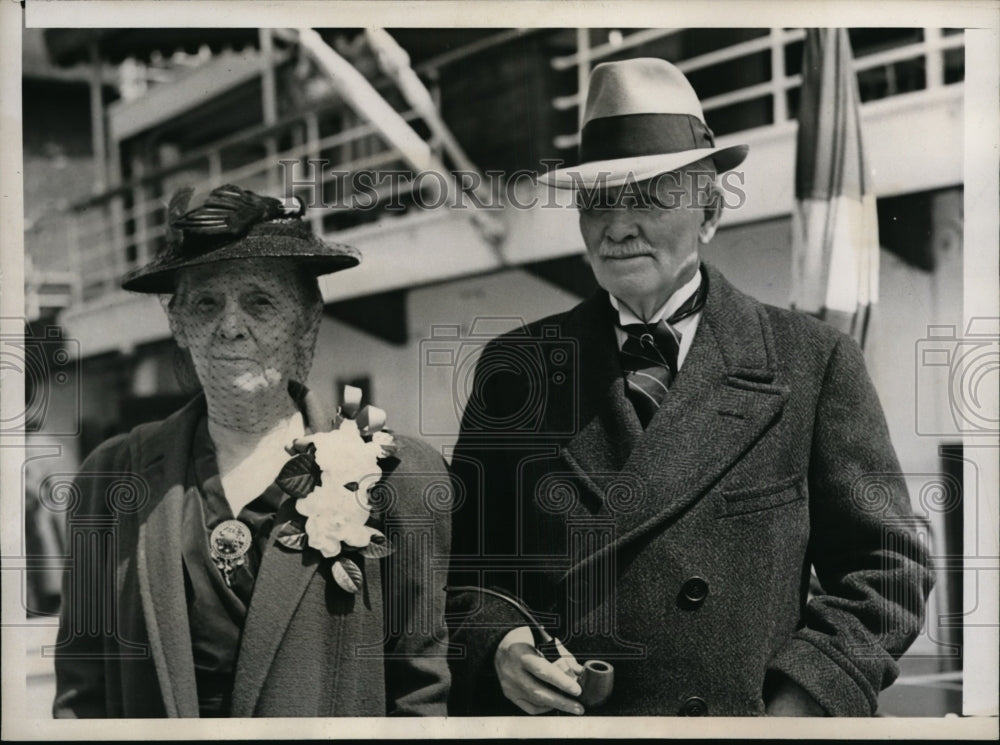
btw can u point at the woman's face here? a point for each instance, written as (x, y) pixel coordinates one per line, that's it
(244, 323)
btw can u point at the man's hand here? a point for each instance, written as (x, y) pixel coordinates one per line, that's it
(533, 683)
(791, 700)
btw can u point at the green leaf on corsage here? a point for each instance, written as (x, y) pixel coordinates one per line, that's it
(347, 574)
(378, 548)
(291, 536)
(300, 475)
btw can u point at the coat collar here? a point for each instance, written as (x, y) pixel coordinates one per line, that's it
(722, 401)
(162, 453)
(162, 457)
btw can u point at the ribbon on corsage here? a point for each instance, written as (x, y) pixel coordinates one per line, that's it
(329, 476)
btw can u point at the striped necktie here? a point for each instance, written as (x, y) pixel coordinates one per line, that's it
(649, 357)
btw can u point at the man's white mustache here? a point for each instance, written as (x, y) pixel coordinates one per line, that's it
(635, 246)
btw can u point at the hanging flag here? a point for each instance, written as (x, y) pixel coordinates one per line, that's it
(834, 224)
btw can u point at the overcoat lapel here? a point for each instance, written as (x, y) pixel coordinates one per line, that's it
(609, 427)
(163, 462)
(281, 582)
(721, 403)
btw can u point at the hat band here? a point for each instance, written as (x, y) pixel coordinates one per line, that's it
(632, 135)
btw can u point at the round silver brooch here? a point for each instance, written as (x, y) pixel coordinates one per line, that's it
(229, 543)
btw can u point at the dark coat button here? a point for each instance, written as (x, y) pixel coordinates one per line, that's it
(695, 590)
(694, 707)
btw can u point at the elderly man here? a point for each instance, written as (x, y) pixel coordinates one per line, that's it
(660, 471)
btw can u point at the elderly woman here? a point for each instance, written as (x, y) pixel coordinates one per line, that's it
(274, 559)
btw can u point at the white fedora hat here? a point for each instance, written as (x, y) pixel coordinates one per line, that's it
(642, 119)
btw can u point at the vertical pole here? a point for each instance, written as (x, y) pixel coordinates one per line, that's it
(934, 58)
(582, 71)
(214, 168)
(778, 87)
(270, 105)
(116, 217)
(312, 153)
(139, 217)
(32, 285)
(97, 133)
(75, 259)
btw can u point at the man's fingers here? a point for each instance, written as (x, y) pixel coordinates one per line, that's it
(551, 674)
(567, 662)
(531, 682)
(569, 666)
(528, 707)
(537, 698)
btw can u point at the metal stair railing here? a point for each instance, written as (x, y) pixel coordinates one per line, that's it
(120, 228)
(931, 49)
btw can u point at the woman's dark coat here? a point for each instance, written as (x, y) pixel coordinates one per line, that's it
(308, 648)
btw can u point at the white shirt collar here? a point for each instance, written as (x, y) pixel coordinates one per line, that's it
(249, 463)
(626, 316)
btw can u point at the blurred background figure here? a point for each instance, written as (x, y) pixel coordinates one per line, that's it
(45, 543)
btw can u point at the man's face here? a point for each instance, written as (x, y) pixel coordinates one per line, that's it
(642, 239)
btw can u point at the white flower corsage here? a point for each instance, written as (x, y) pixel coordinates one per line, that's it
(329, 476)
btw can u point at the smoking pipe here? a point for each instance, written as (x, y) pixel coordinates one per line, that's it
(597, 679)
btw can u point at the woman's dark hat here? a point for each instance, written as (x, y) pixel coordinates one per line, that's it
(234, 223)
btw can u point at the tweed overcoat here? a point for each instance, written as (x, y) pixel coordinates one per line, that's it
(682, 553)
(308, 647)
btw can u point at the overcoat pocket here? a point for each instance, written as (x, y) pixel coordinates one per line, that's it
(755, 499)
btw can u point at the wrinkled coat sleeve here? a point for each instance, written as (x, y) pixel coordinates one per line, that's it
(864, 546)
(82, 647)
(418, 520)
